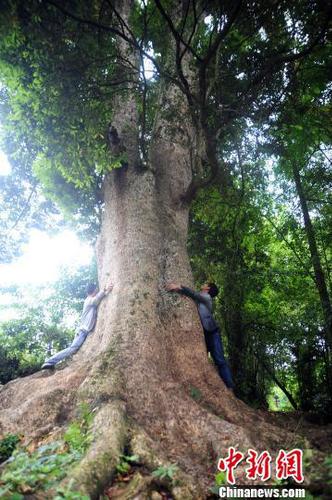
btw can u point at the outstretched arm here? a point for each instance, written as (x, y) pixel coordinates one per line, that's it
(183, 290)
(100, 295)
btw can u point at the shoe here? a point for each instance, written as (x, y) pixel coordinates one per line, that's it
(47, 366)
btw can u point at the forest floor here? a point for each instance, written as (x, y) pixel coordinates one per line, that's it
(128, 485)
(137, 479)
(320, 436)
(318, 450)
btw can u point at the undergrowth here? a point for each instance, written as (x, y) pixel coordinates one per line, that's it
(8, 445)
(27, 472)
(166, 472)
(125, 463)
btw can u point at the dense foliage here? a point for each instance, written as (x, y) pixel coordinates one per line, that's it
(254, 244)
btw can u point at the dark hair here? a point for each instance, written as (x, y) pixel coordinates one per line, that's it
(213, 289)
(91, 288)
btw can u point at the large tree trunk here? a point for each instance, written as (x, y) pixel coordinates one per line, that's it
(147, 353)
(139, 367)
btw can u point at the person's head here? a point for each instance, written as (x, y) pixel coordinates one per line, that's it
(91, 289)
(211, 289)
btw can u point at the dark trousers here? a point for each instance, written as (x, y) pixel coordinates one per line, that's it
(215, 348)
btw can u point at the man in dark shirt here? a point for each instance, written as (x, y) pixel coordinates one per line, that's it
(211, 329)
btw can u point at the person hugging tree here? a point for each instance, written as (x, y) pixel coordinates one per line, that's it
(87, 324)
(203, 300)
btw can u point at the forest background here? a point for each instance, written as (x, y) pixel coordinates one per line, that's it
(260, 226)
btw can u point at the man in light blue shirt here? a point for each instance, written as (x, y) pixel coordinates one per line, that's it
(87, 324)
(203, 300)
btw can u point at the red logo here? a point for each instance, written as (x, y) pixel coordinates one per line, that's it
(259, 465)
(288, 464)
(230, 463)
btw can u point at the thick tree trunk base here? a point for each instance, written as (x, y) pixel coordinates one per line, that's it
(168, 423)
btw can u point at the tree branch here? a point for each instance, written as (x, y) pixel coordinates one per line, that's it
(173, 30)
(275, 63)
(270, 371)
(178, 58)
(223, 33)
(131, 41)
(198, 183)
(24, 209)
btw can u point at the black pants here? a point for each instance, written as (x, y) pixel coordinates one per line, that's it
(215, 348)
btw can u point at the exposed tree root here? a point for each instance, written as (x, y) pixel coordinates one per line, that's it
(35, 405)
(165, 422)
(97, 467)
(185, 486)
(139, 486)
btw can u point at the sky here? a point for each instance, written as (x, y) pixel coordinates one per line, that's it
(41, 264)
(43, 257)
(4, 164)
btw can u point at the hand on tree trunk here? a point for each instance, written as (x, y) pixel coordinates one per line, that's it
(108, 288)
(172, 287)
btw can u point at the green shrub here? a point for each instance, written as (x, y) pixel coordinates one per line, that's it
(166, 472)
(26, 472)
(219, 480)
(125, 463)
(42, 469)
(7, 446)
